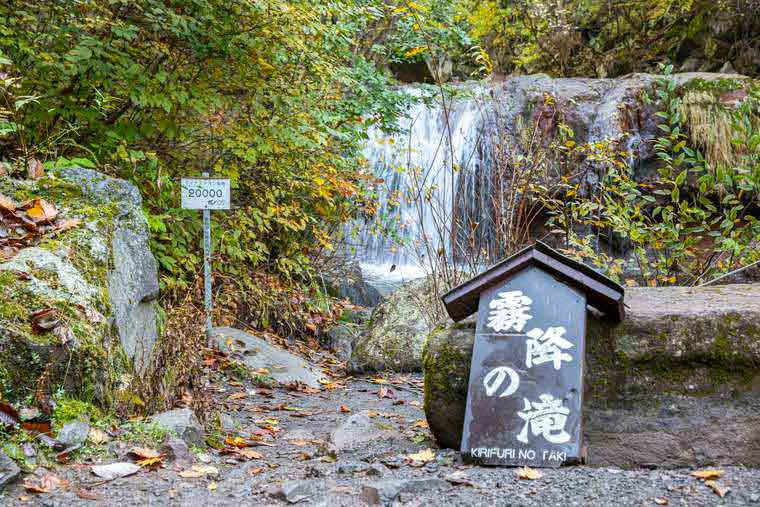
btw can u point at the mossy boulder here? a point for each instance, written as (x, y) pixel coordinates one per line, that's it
(676, 384)
(99, 277)
(396, 332)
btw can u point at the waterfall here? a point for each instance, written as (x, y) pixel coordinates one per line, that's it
(418, 157)
(481, 117)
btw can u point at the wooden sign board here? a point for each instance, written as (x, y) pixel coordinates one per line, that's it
(525, 396)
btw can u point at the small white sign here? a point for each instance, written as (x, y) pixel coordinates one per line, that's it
(205, 193)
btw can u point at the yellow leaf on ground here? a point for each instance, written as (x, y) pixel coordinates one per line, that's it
(707, 474)
(422, 423)
(149, 462)
(721, 492)
(198, 471)
(424, 456)
(528, 473)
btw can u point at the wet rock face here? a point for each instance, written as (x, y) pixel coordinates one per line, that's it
(676, 384)
(348, 282)
(100, 277)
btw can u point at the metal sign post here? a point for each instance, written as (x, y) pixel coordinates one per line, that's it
(206, 194)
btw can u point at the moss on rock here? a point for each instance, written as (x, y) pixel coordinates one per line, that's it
(67, 272)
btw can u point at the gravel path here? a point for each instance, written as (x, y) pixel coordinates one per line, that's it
(376, 436)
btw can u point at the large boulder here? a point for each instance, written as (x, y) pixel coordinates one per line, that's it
(259, 355)
(396, 332)
(98, 279)
(677, 384)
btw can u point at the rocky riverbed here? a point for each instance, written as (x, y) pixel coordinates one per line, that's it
(357, 441)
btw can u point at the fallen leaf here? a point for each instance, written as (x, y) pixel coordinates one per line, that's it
(44, 319)
(248, 454)
(386, 393)
(115, 470)
(86, 494)
(42, 211)
(262, 371)
(236, 442)
(65, 335)
(256, 470)
(528, 473)
(459, 478)
(707, 474)
(422, 423)
(237, 396)
(298, 443)
(8, 415)
(415, 403)
(372, 413)
(198, 471)
(721, 492)
(97, 436)
(67, 225)
(34, 169)
(212, 486)
(344, 409)
(46, 484)
(144, 453)
(661, 501)
(7, 204)
(422, 457)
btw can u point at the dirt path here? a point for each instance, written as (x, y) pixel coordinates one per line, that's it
(299, 465)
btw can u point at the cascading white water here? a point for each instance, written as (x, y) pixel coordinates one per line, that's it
(417, 159)
(486, 116)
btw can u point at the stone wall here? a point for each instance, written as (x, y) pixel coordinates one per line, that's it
(676, 384)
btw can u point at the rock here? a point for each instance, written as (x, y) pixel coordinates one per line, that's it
(429, 69)
(101, 274)
(176, 450)
(227, 423)
(385, 492)
(373, 469)
(727, 68)
(256, 353)
(358, 431)
(74, 434)
(133, 277)
(183, 423)
(9, 471)
(677, 384)
(395, 334)
(692, 64)
(298, 434)
(296, 491)
(347, 282)
(341, 339)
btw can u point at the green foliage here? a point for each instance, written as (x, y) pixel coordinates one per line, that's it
(610, 38)
(261, 91)
(693, 222)
(71, 409)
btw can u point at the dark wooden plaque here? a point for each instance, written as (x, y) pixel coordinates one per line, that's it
(525, 396)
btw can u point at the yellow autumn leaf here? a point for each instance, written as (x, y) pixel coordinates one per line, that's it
(415, 51)
(528, 473)
(416, 7)
(424, 456)
(707, 474)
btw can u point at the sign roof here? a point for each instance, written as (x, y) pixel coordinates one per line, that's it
(601, 292)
